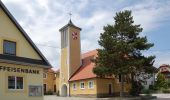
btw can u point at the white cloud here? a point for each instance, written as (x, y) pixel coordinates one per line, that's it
(150, 13)
(43, 18)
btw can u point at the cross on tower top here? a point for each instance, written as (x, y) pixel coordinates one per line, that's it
(70, 14)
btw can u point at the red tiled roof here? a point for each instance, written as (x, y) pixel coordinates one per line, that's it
(86, 70)
(57, 71)
(164, 65)
(51, 70)
(164, 68)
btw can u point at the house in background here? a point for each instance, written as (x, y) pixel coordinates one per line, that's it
(147, 80)
(51, 81)
(165, 70)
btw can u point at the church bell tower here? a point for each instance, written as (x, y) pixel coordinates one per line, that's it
(70, 55)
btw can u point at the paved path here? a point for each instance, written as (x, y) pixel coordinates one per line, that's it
(162, 95)
(78, 98)
(53, 97)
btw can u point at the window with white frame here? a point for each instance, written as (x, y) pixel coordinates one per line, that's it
(82, 85)
(91, 84)
(15, 82)
(35, 90)
(74, 86)
(44, 75)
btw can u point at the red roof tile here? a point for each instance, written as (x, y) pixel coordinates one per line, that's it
(86, 70)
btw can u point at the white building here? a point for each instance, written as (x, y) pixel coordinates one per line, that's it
(146, 79)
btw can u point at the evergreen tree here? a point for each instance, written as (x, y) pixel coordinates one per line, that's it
(122, 46)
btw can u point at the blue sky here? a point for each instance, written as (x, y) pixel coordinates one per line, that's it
(42, 19)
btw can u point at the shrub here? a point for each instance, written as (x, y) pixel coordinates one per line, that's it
(155, 88)
(145, 91)
(151, 87)
(168, 83)
(166, 91)
(161, 82)
(49, 93)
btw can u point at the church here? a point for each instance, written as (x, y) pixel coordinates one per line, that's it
(22, 66)
(76, 70)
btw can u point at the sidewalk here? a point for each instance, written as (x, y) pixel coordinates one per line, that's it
(162, 96)
(53, 97)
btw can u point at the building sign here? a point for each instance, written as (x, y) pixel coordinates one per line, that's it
(19, 70)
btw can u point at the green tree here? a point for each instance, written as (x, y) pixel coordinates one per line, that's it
(161, 82)
(121, 49)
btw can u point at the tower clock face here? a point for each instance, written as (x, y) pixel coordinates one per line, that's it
(75, 35)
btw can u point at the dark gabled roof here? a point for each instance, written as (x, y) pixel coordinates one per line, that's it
(22, 60)
(24, 34)
(69, 24)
